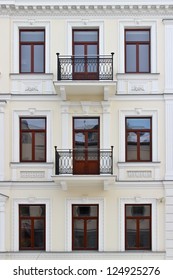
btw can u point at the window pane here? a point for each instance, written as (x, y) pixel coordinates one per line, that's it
(79, 65)
(78, 238)
(40, 146)
(130, 58)
(131, 146)
(39, 233)
(137, 35)
(138, 123)
(39, 58)
(137, 210)
(26, 146)
(25, 58)
(144, 227)
(85, 36)
(131, 233)
(85, 211)
(91, 233)
(32, 210)
(33, 123)
(86, 124)
(25, 238)
(145, 146)
(143, 58)
(32, 36)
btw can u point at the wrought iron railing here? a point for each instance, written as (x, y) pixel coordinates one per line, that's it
(98, 67)
(64, 160)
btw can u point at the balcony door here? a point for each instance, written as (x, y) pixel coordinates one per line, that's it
(86, 136)
(85, 51)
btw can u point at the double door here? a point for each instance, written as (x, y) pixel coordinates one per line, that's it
(86, 146)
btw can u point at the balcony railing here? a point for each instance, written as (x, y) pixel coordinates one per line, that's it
(65, 161)
(98, 67)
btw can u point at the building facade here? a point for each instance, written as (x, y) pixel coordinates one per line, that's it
(86, 129)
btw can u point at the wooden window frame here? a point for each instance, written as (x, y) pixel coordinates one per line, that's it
(138, 218)
(137, 131)
(85, 218)
(32, 227)
(33, 131)
(32, 44)
(138, 43)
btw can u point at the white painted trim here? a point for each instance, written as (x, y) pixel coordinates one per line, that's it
(154, 218)
(15, 222)
(2, 140)
(31, 112)
(29, 24)
(138, 112)
(85, 24)
(3, 200)
(137, 23)
(68, 225)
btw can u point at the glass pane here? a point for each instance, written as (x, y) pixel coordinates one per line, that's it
(144, 227)
(26, 146)
(79, 62)
(40, 146)
(93, 151)
(32, 36)
(130, 58)
(131, 146)
(86, 124)
(85, 36)
(137, 210)
(79, 146)
(85, 211)
(145, 146)
(25, 59)
(137, 35)
(25, 234)
(92, 62)
(39, 233)
(32, 210)
(144, 58)
(131, 233)
(32, 123)
(138, 123)
(78, 234)
(91, 234)
(39, 58)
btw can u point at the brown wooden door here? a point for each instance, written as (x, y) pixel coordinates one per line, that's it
(85, 51)
(86, 146)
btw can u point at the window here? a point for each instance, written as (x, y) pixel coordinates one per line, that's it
(138, 226)
(32, 51)
(32, 139)
(137, 51)
(84, 227)
(138, 139)
(32, 227)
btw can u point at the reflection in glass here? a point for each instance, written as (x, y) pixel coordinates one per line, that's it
(138, 123)
(132, 146)
(25, 59)
(143, 58)
(78, 233)
(85, 211)
(32, 36)
(33, 123)
(38, 233)
(131, 233)
(91, 233)
(85, 36)
(79, 146)
(38, 58)
(79, 63)
(137, 35)
(39, 146)
(130, 58)
(26, 146)
(145, 146)
(87, 123)
(144, 227)
(25, 233)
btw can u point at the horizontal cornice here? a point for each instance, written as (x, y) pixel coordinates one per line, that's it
(87, 8)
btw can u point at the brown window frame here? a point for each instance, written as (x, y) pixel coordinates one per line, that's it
(138, 43)
(137, 218)
(33, 131)
(32, 218)
(85, 218)
(138, 131)
(32, 44)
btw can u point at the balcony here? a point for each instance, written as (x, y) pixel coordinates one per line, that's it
(84, 162)
(72, 67)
